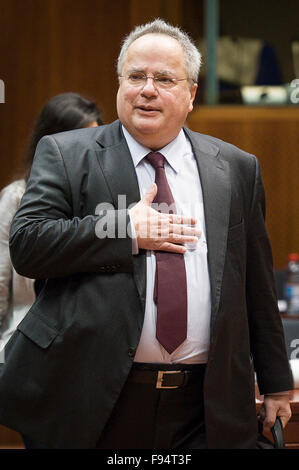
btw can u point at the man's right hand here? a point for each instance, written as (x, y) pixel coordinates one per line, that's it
(158, 231)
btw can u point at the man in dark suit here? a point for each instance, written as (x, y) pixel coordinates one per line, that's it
(86, 367)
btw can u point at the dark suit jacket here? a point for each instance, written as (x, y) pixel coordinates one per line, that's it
(69, 359)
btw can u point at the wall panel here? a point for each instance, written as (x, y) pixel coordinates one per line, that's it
(49, 47)
(272, 135)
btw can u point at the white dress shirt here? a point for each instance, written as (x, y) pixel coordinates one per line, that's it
(183, 179)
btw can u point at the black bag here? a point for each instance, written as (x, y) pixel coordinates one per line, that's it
(277, 433)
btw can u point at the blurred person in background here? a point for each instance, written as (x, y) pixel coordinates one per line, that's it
(63, 112)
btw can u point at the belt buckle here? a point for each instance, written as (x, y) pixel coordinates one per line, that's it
(159, 383)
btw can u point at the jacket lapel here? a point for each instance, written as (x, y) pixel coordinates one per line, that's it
(117, 166)
(215, 180)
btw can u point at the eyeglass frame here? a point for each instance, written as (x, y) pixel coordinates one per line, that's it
(155, 79)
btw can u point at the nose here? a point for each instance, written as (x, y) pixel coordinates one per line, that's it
(149, 87)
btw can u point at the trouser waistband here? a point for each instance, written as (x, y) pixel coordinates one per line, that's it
(167, 376)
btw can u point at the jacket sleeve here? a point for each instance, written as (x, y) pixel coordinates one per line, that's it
(266, 332)
(47, 240)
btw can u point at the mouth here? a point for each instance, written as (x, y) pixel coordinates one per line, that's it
(147, 110)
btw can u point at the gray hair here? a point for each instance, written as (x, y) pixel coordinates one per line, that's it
(158, 26)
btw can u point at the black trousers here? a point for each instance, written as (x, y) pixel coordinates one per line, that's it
(146, 417)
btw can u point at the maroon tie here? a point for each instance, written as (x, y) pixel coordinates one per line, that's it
(170, 293)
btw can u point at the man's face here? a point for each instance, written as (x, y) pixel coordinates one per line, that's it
(154, 115)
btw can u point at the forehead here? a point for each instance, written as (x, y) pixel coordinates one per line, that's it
(156, 51)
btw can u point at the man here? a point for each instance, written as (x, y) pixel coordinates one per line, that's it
(96, 363)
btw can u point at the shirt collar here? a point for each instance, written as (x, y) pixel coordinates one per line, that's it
(173, 152)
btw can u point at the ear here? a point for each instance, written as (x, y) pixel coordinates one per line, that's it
(192, 95)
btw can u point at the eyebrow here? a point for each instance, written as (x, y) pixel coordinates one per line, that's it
(158, 72)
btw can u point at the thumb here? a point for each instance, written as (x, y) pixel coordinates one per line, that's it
(150, 194)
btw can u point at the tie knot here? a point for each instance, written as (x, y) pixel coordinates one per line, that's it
(156, 159)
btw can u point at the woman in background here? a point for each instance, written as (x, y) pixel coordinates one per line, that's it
(63, 112)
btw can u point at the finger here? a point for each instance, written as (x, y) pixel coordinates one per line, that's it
(284, 421)
(150, 194)
(261, 414)
(174, 240)
(175, 234)
(171, 248)
(269, 420)
(160, 234)
(182, 239)
(285, 415)
(181, 219)
(185, 230)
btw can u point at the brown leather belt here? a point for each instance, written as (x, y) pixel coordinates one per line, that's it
(169, 378)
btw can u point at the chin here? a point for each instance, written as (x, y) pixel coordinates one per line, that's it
(148, 128)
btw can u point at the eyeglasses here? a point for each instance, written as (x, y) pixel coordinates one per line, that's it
(139, 79)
